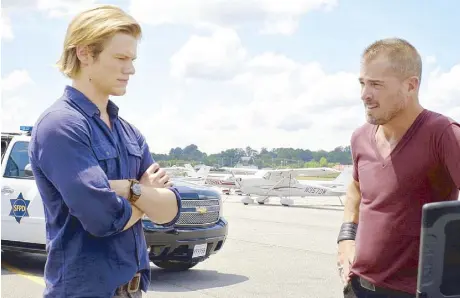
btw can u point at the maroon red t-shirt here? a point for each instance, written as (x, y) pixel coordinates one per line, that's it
(424, 167)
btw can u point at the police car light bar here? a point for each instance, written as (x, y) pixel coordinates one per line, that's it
(26, 128)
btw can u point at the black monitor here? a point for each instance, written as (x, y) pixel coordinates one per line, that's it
(439, 261)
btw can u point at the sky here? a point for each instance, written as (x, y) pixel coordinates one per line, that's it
(226, 74)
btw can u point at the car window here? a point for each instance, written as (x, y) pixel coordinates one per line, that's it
(17, 161)
(4, 146)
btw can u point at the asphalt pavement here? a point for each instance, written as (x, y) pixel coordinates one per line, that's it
(271, 251)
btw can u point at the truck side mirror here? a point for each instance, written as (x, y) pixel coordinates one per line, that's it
(28, 170)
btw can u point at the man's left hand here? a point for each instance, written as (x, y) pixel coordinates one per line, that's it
(156, 177)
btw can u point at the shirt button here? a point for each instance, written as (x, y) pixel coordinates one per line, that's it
(107, 153)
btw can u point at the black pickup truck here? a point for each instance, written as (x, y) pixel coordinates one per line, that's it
(200, 231)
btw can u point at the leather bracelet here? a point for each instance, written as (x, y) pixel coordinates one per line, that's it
(347, 231)
(179, 207)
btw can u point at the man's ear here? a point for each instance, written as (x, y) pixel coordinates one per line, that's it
(413, 84)
(84, 55)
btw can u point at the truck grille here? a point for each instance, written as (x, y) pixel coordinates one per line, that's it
(191, 214)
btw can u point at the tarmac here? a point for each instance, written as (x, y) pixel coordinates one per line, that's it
(271, 251)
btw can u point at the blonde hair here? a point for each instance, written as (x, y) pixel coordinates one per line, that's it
(92, 28)
(403, 57)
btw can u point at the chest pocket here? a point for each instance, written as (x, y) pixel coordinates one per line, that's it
(107, 157)
(134, 159)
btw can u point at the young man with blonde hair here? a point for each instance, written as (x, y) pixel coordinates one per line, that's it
(94, 170)
(404, 157)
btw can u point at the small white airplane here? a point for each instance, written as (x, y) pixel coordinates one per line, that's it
(188, 173)
(226, 180)
(283, 184)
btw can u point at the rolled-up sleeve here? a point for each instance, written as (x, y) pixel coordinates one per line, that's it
(64, 155)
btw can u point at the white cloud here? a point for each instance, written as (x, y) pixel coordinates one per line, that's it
(16, 109)
(442, 91)
(53, 8)
(276, 17)
(232, 98)
(16, 80)
(430, 59)
(62, 8)
(290, 102)
(6, 30)
(285, 103)
(215, 56)
(18, 4)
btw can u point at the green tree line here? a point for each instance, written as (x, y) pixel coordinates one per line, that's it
(274, 158)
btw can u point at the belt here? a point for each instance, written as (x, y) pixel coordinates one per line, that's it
(131, 286)
(381, 290)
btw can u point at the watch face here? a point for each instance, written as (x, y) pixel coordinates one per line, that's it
(136, 189)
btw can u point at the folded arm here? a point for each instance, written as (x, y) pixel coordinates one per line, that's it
(161, 205)
(64, 155)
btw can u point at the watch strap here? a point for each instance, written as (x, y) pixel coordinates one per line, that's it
(132, 196)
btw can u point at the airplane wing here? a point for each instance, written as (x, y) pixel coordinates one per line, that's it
(292, 173)
(236, 171)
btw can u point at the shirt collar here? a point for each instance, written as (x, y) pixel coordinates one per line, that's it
(87, 105)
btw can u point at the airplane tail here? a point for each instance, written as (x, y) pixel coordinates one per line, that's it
(203, 172)
(344, 177)
(190, 170)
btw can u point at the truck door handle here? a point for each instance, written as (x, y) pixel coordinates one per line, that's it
(6, 190)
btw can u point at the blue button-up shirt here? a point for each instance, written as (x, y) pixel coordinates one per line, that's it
(73, 154)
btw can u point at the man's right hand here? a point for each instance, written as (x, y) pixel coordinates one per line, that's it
(345, 258)
(156, 177)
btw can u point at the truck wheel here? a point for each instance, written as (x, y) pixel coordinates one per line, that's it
(175, 266)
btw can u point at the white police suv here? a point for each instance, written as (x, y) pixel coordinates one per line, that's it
(200, 232)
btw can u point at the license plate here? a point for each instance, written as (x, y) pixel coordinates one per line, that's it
(199, 250)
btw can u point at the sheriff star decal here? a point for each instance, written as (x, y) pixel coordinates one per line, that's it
(19, 208)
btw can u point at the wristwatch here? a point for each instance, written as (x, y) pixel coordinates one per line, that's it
(134, 190)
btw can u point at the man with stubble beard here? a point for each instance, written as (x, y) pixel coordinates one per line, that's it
(404, 157)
